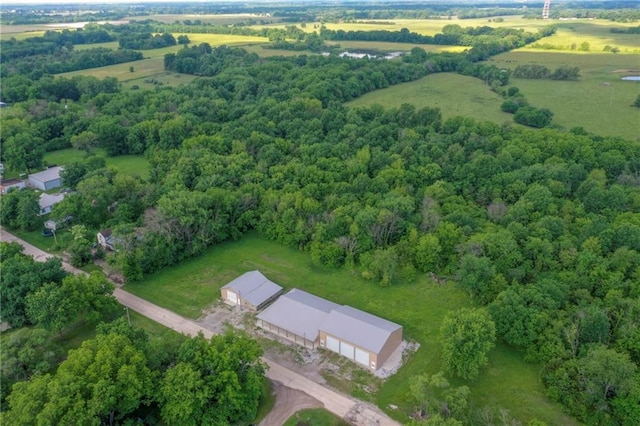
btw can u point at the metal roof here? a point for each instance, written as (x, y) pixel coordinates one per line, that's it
(298, 312)
(50, 174)
(48, 200)
(358, 327)
(254, 287)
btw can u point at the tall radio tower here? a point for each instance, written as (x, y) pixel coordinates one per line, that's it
(545, 9)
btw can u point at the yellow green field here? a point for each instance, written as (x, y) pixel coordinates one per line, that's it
(454, 94)
(392, 47)
(600, 101)
(597, 33)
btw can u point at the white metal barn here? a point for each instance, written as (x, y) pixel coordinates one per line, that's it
(251, 290)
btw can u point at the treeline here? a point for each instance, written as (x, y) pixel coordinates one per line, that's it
(51, 42)
(145, 41)
(541, 72)
(64, 60)
(630, 30)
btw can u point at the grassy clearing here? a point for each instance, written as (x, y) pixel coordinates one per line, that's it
(600, 101)
(454, 94)
(597, 33)
(393, 47)
(133, 165)
(314, 417)
(420, 306)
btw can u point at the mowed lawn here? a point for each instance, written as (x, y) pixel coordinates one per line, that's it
(599, 101)
(419, 307)
(133, 165)
(453, 93)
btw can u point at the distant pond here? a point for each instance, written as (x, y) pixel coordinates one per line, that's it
(632, 78)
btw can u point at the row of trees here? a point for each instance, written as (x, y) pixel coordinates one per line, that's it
(541, 72)
(65, 60)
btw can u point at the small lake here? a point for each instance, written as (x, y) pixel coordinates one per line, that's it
(632, 78)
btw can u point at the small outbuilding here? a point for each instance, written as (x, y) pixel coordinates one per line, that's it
(364, 338)
(47, 179)
(296, 316)
(11, 184)
(47, 201)
(251, 290)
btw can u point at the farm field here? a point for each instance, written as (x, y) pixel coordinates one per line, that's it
(599, 101)
(150, 71)
(392, 47)
(597, 33)
(420, 306)
(454, 94)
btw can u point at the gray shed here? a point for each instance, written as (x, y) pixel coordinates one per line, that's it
(251, 290)
(296, 316)
(47, 179)
(364, 338)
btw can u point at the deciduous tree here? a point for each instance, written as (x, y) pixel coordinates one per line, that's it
(467, 336)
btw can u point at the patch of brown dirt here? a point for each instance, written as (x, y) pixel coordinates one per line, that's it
(625, 70)
(288, 402)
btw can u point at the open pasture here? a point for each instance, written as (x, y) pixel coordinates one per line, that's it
(150, 71)
(384, 46)
(454, 94)
(599, 101)
(571, 34)
(508, 382)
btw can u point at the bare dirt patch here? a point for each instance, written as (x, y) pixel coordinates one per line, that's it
(288, 402)
(625, 70)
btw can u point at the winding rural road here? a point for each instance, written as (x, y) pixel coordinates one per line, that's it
(350, 409)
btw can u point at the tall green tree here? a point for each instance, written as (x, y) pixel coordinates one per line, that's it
(102, 382)
(215, 381)
(467, 336)
(79, 297)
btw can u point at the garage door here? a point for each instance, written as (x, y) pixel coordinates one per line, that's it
(362, 357)
(232, 297)
(346, 350)
(333, 344)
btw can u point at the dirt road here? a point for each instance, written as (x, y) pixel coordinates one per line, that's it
(355, 411)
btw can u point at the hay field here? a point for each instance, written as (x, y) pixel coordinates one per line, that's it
(596, 32)
(394, 47)
(454, 94)
(599, 101)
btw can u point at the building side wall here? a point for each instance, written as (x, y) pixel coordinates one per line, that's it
(394, 340)
(372, 356)
(286, 334)
(55, 183)
(37, 184)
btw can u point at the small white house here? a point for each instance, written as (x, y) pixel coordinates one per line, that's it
(47, 201)
(46, 179)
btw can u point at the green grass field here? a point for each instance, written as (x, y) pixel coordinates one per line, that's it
(134, 165)
(599, 101)
(454, 94)
(314, 417)
(508, 382)
(392, 47)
